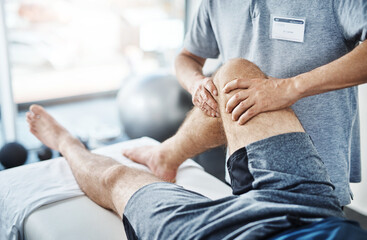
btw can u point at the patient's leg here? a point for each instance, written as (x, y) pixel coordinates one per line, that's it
(200, 132)
(263, 125)
(197, 134)
(105, 181)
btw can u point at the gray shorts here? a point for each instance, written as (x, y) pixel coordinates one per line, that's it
(279, 183)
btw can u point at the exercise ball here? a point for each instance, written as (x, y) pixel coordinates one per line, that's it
(13, 155)
(152, 105)
(44, 153)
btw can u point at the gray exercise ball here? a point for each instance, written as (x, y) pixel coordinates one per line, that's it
(152, 105)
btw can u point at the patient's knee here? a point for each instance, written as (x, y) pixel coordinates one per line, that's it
(236, 68)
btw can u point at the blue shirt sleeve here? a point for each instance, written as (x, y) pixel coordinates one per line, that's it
(200, 39)
(352, 18)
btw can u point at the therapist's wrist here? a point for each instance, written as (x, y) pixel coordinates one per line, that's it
(295, 88)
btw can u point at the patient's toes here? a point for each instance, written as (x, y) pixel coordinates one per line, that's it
(125, 152)
(37, 109)
(129, 153)
(29, 121)
(33, 130)
(138, 154)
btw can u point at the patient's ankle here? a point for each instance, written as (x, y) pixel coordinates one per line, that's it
(68, 142)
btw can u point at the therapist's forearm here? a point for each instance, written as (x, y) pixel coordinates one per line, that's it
(189, 69)
(347, 71)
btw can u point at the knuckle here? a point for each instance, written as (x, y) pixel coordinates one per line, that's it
(242, 104)
(257, 94)
(251, 112)
(237, 96)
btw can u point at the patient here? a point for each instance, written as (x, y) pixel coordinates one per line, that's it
(278, 179)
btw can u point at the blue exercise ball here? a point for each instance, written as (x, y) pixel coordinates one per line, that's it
(152, 105)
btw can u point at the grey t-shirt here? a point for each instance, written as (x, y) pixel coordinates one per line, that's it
(242, 28)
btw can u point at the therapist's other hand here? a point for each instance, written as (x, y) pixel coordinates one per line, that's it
(203, 93)
(258, 95)
(155, 159)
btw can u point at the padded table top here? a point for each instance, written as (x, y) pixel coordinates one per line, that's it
(80, 218)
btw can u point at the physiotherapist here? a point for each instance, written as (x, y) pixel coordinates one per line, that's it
(315, 54)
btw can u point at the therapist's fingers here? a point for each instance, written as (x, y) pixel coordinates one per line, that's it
(235, 100)
(241, 109)
(208, 103)
(209, 85)
(238, 83)
(209, 111)
(250, 113)
(203, 97)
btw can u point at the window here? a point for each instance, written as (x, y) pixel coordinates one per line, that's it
(64, 48)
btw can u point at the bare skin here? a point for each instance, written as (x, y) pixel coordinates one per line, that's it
(53, 134)
(156, 161)
(111, 184)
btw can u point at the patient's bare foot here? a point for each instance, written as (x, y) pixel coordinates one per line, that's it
(156, 159)
(47, 129)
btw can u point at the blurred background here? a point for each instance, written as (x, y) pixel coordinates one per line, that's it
(77, 54)
(66, 48)
(104, 69)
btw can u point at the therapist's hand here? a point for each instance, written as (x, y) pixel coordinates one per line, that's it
(259, 95)
(202, 96)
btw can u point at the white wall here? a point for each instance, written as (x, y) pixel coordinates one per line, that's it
(360, 189)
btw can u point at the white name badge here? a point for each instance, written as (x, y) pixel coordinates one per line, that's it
(289, 29)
